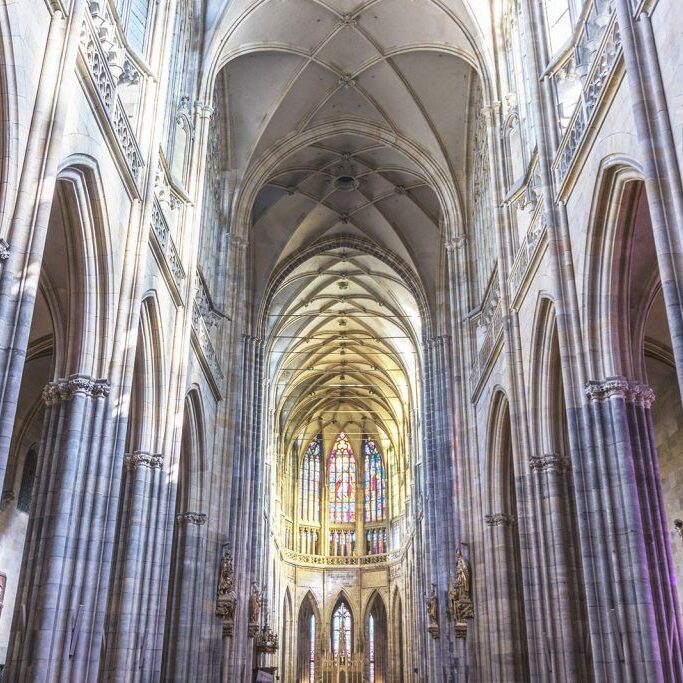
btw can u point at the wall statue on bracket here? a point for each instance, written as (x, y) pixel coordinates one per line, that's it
(226, 600)
(460, 605)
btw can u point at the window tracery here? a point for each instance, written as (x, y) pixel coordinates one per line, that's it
(342, 633)
(309, 483)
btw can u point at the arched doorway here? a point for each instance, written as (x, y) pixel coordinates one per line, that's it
(509, 648)
(308, 636)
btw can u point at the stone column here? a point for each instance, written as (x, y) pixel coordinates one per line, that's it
(506, 641)
(53, 633)
(561, 579)
(638, 600)
(129, 644)
(181, 659)
(22, 253)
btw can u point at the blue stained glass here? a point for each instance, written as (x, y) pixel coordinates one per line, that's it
(309, 483)
(342, 481)
(375, 483)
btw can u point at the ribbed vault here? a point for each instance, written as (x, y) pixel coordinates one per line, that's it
(346, 150)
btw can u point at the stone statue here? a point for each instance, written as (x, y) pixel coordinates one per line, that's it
(254, 603)
(459, 599)
(432, 602)
(226, 601)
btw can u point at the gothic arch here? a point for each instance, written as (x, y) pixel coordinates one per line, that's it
(308, 653)
(376, 660)
(509, 647)
(192, 465)
(148, 380)
(79, 208)
(287, 630)
(612, 222)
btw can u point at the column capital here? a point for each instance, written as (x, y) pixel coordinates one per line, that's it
(456, 242)
(4, 249)
(549, 462)
(198, 518)
(137, 459)
(65, 389)
(632, 392)
(500, 519)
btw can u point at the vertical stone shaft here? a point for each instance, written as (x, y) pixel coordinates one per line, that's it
(28, 229)
(185, 610)
(129, 642)
(53, 619)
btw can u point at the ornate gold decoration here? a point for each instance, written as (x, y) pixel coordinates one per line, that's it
(226, 600)
(460, 605)
(432, 602)
(255, 600)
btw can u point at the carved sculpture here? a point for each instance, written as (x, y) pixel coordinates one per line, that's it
(255, 599)
(459, 596)
(226, 600)
(678, 523)
(432, 602)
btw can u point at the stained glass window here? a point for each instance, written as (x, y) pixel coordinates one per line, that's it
(341, 631)
(375, 485)
(342, 478)
(309, 483)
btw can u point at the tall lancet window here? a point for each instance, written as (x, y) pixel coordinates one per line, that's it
(342, 478)
(342, 632)
(309, 483)
(375, 485)
(371, 648)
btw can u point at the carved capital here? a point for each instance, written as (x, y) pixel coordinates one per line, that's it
(606, 389)
(639, 394)
(456, 242)
(549, 462)
(198, 518)
(500, 519)
(142, 459)
(65, 389)
(4, 249)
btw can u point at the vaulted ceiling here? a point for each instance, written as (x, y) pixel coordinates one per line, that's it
(346, 118)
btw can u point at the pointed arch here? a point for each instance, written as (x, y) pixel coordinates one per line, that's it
(287, 633)
(342, 627)
(310, 481)
(308, 640)
(84, 242)
(376, 628)
(397, 635)
(146, 391)
(192, 464)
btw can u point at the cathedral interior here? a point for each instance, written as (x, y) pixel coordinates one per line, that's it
(341, 341)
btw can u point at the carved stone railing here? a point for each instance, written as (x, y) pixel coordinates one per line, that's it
(490, 319)
(108, 69)
(204, 319)
(526, 254)
(332, 560)
(592, 59)
(166, 249)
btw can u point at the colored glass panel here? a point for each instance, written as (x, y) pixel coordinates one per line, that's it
(341, 631)
(309, 483)
(375, 483)
(342, 481)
